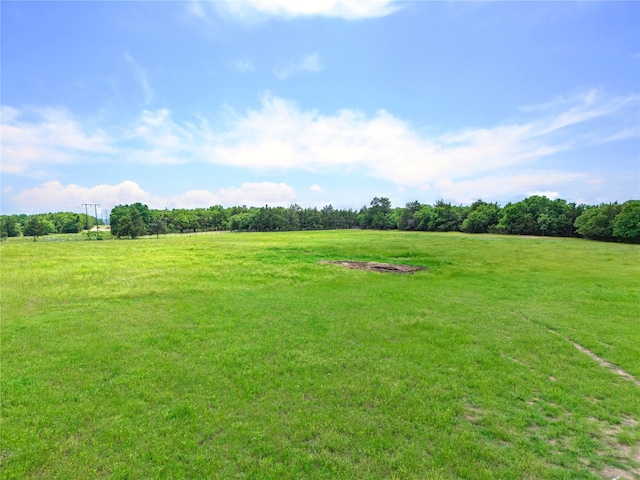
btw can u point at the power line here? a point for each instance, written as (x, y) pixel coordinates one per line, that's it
(86, 206)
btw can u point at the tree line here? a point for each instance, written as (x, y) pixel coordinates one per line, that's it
(535, 215)
(137, 219)
(45, 224)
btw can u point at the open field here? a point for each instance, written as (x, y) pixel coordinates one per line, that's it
(244, 356)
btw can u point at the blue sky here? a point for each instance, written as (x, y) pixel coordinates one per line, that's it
(193, 103)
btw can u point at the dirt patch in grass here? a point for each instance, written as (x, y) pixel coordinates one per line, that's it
(376, 266)
(628, 455)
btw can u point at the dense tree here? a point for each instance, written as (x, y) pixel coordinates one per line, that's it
(626, 226)
(310, 219)
(481, 217)
(538, 215)
(442, 217)
(535, 215)
(9, 227)
(293, 216)
(130, 220)
(269, 219)
(35, 227)
(242, 221)
(185, 220)
(159, 223)
(597, 223)
(378, 215)
(406, 218)
(213, 218)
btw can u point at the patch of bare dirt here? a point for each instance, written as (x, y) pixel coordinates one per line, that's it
(627, 454)
(615, 473)
(376, 266)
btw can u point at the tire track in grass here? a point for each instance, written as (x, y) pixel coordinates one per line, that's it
(603, 363)
(631, 457)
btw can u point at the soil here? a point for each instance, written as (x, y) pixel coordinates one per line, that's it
(377, 266)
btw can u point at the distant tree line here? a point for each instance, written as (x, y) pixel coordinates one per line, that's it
(45, 224)
(535, 215)
(137, 219)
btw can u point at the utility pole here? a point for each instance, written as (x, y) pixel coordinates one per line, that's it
(86, 215)
(95, 205)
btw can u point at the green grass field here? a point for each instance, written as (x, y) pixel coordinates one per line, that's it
(243, 356)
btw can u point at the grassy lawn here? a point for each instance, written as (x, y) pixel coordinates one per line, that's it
(243, 356)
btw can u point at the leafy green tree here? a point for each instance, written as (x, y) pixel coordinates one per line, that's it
(35, 227)
(242, 221)
(48, 226)
(537, 215)
(216, 218)
(626, 226)
(406, 218)
(69, 224)
(132, 224)
(442, 217)
(186, 220)
(347, 219)
(481, 218)
(310, 219)
(378, 215)
(293, 216)
(446, 218)
(129, 220)
(423, 217)
(269, 219)
(158, 224)
(597, 223)
(9, 226)
(328, 217)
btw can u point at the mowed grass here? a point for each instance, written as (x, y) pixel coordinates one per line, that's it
(243, 356)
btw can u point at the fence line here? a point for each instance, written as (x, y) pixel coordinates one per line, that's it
(83, 237)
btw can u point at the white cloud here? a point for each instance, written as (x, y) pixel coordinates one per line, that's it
(258, 194)
(255, 10)
(548, 194)
(280, 136)
(316, 188)
(57, 197)
(310, 63)
(191, 199)
(140, 75)
(504, 186)
(159, 140)
(54, 138)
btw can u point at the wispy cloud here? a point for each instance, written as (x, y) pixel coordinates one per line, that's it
(507, 185)
(309, 63)
(69, 198)
(58, 197)
(279, 136)
(141, 77)
(55, 137)
(243, 65)
(257, 10)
